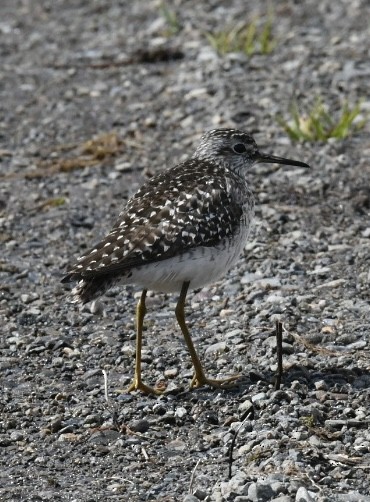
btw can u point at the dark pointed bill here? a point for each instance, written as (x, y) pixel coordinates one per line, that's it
(272, 159)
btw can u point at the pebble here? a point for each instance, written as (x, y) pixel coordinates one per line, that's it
(55, 425)
(245, 406)
(237, 485)
(139, 425)
(258, 398)
(260, 492)
(176, 445)
(171, 373)
(180, 412)
(29, 297)
(321, 385)
(303, 495)
(16, 436)
(216, 349)
(200, 494)
(190, 498)
(69, 437)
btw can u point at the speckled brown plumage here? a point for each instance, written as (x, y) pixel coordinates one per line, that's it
(205, 202)
(197, 203)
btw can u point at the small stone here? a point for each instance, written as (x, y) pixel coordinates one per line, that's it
(315, 440)
(257, 398)
(16, 436)
(159, 409)
(93, 420)
(5, 441)
(180, 412)
(235, 486)
(216, 349)
(249, 277)
(128, 350)
(234, 333)
(200, 494)
(245, 408)
(69, 352)
(123, 166)
(190, 498)
(29, 297)
(177, 445)
(33, 311)
(226, 312)
(56, 424)
(211, 417)
(287, 348)
(139, 425)
(321, 385)
(171, 373)
(104, 437)
(97, 307)
(277, 487)
(335, 424)
(304, 495)
(260, 492)
(116, 487)
(69, 437)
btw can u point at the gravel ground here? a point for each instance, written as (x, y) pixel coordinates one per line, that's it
(97, 95)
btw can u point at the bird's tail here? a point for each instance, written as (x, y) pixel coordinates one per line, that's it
(88, 289)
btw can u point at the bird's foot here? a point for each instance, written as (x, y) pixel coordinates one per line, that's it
(222, 383)
(137, 384)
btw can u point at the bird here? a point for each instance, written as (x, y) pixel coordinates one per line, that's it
(184, 228)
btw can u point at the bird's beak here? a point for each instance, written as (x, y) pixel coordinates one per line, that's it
(272, 159)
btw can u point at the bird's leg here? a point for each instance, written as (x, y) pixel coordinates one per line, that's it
(199, 378)
(137, 384)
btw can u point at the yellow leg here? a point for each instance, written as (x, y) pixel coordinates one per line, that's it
(199, 378)
(137, 384)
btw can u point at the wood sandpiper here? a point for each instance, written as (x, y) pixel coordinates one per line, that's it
(184, 228)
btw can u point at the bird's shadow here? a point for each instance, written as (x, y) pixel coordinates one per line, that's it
(334, 378)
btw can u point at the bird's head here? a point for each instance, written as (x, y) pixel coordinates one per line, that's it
(237, 150)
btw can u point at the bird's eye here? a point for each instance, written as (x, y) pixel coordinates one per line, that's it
(239, 148)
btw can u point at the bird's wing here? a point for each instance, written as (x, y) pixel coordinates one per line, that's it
(156, 224)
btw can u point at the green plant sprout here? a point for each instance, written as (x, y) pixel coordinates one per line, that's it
(320, 125)
(308, 421)
(247, 38)
(171, 18)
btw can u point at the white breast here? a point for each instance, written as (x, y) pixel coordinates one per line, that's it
(199, 266)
